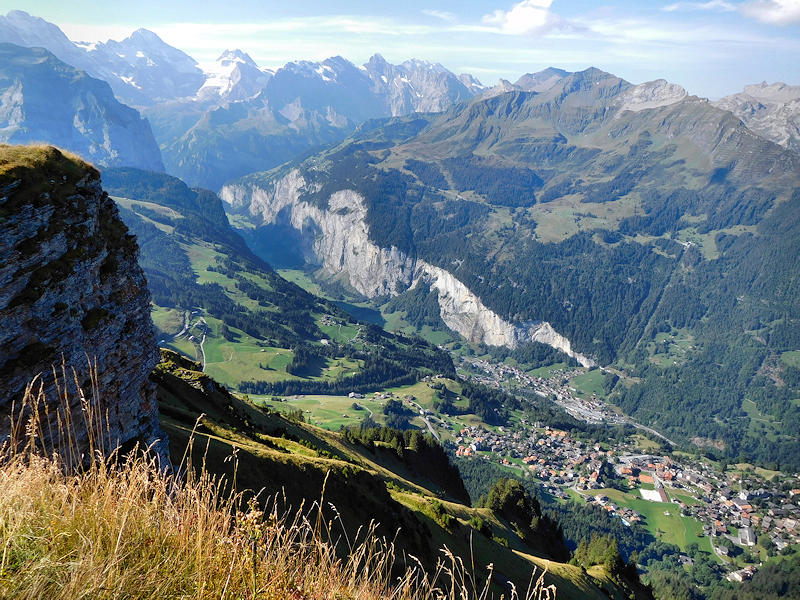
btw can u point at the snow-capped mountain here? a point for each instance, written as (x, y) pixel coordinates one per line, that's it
(151, 66)
(22, 29)
(418, 86)
(87, 119)
(234, 76)
(141, 69)
(232, 117)
(770, 110)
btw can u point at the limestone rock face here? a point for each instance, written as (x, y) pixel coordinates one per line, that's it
(71, 291)
(337, 239)
(771, 110)
(652, 94)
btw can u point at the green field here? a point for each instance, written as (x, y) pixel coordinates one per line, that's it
(301, 278)
(341, 332)
(791, 358)
(331, 412)
(547, 371)
(567, 215)
(168, 321)
(589, 383)
(328, 412)
(761, 425)
(671, 528)
(645, 444)
(671, 348)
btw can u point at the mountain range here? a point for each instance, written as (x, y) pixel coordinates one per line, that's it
(222, 121)
(573, 209)
(595, 216)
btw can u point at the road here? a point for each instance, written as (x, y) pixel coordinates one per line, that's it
(425, 420)
(649, 429)
(203, 351)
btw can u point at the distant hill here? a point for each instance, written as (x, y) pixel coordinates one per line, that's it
(771, 110)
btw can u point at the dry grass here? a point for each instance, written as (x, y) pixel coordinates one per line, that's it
(109, 527)
(36, 156)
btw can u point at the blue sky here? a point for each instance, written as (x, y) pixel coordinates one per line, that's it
(711, 47)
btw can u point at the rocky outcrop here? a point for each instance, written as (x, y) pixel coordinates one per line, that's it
(770, 110)
(653, 94)
(463, 312)
(72, 292)
(338, 240)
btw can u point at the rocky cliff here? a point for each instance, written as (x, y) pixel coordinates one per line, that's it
(338, 239)
(771, 110)
(71, 291)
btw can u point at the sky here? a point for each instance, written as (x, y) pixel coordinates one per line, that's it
(711, 47)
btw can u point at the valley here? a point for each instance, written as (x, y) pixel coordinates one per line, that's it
(371, 322)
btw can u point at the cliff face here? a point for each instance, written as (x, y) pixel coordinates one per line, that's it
(86, 119)
(71, 290)
(337, 238)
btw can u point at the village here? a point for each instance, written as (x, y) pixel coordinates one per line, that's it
(590, 410)
(736, 510)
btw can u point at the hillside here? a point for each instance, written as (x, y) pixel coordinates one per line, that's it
(602, 218)
(251, 329)
(272, 451)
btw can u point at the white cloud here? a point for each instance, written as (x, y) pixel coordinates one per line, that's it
(441, 14)
(721, 5)
(774, 12)
(528, 16)
(95, 33)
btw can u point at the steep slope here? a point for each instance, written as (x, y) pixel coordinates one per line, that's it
(340, 243)
(372, 480)
(770, 110)
(618, 214)
(71, 293)
(87, 119)
(249, 327)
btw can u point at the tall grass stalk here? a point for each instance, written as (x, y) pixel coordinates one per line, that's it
(77, 520)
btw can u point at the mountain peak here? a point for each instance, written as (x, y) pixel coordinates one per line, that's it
(236, 56)
(413, 64)
(652, 94)
(376, 58)
(145, 35)
(541, 81)
(773, 92)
